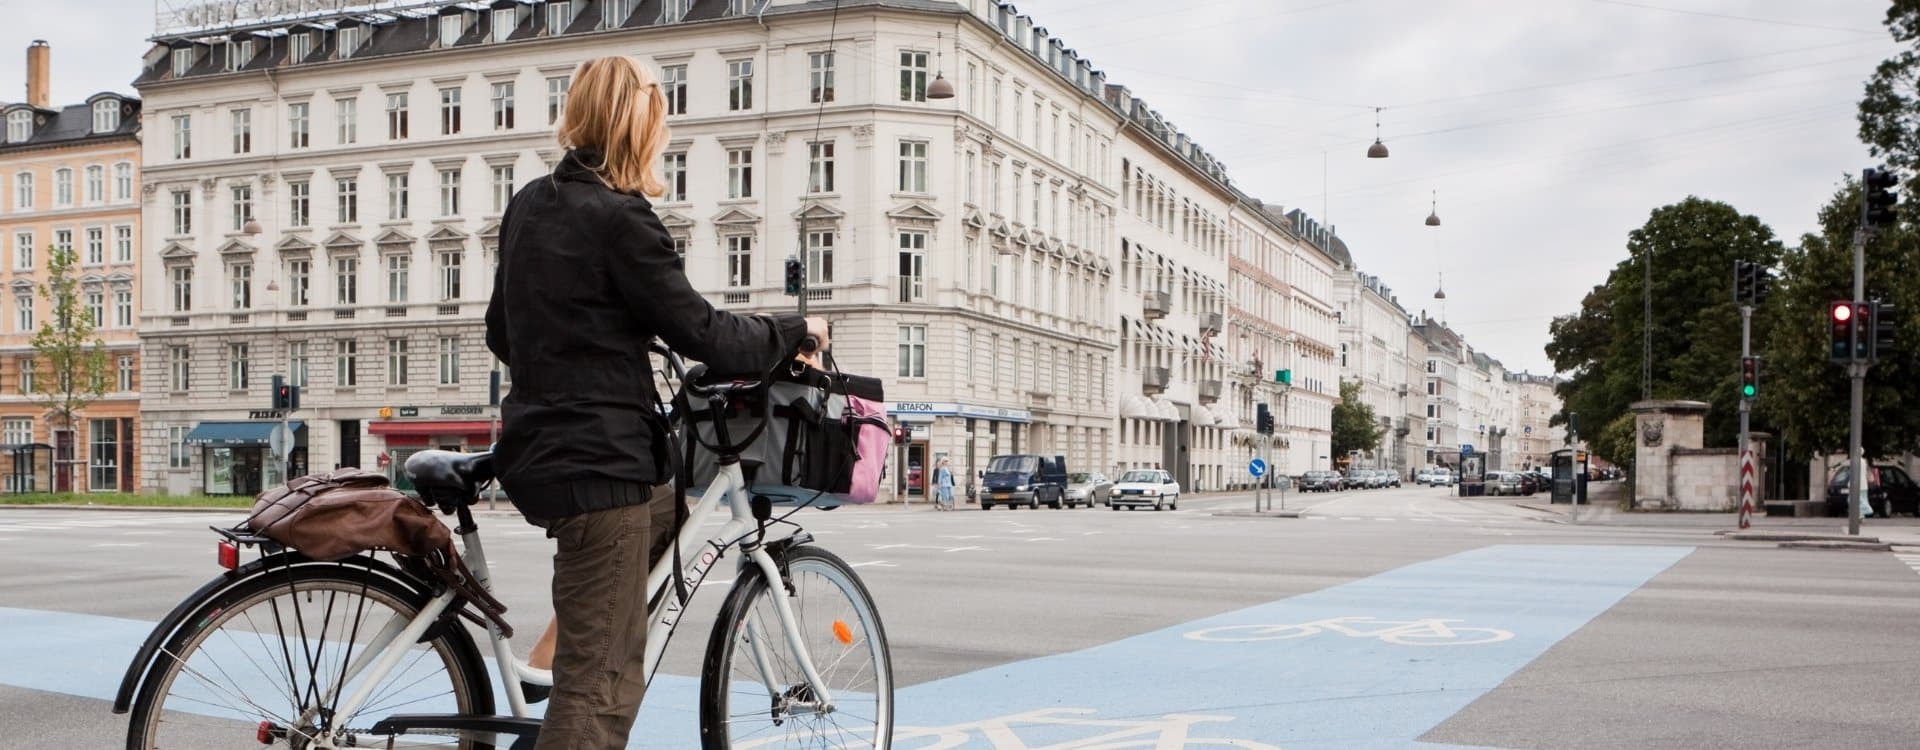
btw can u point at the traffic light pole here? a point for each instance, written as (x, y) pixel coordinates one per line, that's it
(1857, 372)
(1745, 479)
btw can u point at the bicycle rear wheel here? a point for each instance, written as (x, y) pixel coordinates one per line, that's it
(264, 660)
(753, 693)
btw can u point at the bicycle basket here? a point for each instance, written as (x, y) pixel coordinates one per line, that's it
(806, 429)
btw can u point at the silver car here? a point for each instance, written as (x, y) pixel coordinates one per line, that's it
(1088, 488)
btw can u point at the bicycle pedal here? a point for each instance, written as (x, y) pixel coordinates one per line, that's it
(535, 693)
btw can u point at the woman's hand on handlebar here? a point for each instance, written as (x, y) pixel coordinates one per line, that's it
(817, 341)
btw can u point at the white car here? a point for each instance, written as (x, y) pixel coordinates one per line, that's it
(1149, 487)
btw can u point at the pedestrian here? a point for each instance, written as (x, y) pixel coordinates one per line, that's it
(943, 486)
(587, 278)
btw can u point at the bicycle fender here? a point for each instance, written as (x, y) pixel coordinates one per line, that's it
(164, 630)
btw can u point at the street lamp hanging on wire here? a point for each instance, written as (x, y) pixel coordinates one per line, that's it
(1378, 150)
(1433, 215)
(940, 88)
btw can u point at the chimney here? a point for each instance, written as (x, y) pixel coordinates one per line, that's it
(39, 59)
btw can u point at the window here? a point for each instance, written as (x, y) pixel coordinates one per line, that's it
(95, 303)
(240, 278)
(96, 185)
(242, 206)
(913, 167)
(913, 266)
(820, 167)
(242, 131)
(503, 105)
(299, 203)
(452, 27)
(973, 89)
(396, 196)
(346, 363)
(297, 364)
(913, 76)
(18, 430)
(237, 366)
(613, 13)
(19, 126)
(557, 97)
(449, 360)
(346, 281)
(819, 258)
(182, 61)
(1019, 107)
(398, 266)
(182, 212)
(346, 120)
(673, 84)
(449, 276)
(739, 173)
(106, 115)
(351, 38)
(299, 281)
(62, 187)
(299, 46)
(967, 184)
(23, 191)
(346, 200)
(182, 288)
(449, 111)
(674, 11)
(123, 243)
(96, 246)
(124, 375)
(396, 116)
(449, 192)
(179, 367)
(505, 20)
(63, 241)
(502, 188)
(913, 351)
(122, 182)
(29, 371)
(559, 17)
(239, 53)
(396, 361)
(297, 121)
(739, 261)
(739, 85)
(179, 456)
(820, 74)
(676, 174)
(680, 248)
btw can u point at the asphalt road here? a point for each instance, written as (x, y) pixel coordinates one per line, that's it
(1055, 627)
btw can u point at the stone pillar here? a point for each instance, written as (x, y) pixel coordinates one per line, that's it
(1660, 427)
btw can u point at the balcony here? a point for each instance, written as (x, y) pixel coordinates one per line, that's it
(1209, 391)
(1156, 305)
(1212, 323)
(1155, 380)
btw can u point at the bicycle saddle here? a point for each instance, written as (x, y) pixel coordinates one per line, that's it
(449, 479)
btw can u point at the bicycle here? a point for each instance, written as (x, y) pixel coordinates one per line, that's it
(324, 655)
(1423, 632)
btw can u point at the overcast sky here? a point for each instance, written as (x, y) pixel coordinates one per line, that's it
(1550, 128)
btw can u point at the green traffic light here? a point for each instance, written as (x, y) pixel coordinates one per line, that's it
(1748, 391)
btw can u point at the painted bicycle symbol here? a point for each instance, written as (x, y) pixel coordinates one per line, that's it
(1431, 631)
(1063, 729)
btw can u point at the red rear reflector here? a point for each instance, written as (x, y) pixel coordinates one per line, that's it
(264, 735)
(230, 559)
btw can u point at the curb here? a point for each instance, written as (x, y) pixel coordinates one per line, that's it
(1788, 536)
(134, 508)
(1852, 546)
(1257, 514)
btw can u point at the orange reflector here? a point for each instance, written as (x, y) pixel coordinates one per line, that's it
(843, 633)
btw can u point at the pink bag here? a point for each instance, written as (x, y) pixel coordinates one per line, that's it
(871, 435)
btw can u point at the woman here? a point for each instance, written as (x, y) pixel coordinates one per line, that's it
(587, 277)
(943, 486)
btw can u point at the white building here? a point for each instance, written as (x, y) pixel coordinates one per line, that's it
(1374, 335)
(1037, 265)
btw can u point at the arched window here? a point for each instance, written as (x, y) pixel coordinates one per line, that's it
(106, 115)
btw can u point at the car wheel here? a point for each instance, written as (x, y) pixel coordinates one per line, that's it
(1174, 504)
(1111, 506)
(1156, 506)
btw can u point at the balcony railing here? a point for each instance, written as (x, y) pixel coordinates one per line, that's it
(1212, 322)
(1209, 391)
(1156, 379)
(1156, 305)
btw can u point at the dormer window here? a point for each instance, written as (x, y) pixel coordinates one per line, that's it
(505, 20)
(19, 126)
(612, 13)
(452, 27)
(739, 7)
(351, 39)
(239, 53)
(674, 11)
(182, 61)
(106, 115)
(299, 46)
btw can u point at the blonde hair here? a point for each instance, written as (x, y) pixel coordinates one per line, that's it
(615, 105)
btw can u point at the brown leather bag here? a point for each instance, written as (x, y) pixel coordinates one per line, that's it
(342, 513)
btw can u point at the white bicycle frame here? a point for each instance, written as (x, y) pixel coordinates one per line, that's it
(729, 484)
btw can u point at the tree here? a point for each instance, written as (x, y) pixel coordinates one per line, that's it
(1355, 428)
(70, 362)
(1804, 395)
(1691, 246)
(1890, 108)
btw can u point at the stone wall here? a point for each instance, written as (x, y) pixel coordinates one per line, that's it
(1704, 479)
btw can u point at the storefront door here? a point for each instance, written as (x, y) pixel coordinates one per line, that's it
(63, 460)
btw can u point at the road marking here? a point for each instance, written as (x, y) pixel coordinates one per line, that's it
(119, 544)
(1912, 560)
(964, 537)
(903, 545)
(873, 563)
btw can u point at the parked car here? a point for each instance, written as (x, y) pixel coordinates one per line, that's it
(1320, 481)
(1145, 487)
(1390, 478)
(1024, 479)
(1508, 483)
(1440, 477)
(1088, 488)
(1423, 477)
(1888, 489)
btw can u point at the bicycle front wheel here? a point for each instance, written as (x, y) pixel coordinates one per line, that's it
(753, 692)
(263, 664)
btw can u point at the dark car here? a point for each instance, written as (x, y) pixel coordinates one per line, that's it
(1320, 481)
(1024, 479)
(1888, 488)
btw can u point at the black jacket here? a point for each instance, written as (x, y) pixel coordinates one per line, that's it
(587, 276)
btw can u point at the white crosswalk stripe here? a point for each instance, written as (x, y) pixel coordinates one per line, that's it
(34, 521)
(1912, 560)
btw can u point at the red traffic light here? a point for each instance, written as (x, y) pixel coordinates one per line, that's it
(1842, 311)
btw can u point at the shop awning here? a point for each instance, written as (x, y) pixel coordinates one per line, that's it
(430, 428)
(235, 433)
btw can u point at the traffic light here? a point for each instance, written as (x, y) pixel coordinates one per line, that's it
(1262, 419)
(1762, 283)
(1880, 196)
(1882, 331)
(1743, 281)
(282, 397)
(293, 398)
(1283, 377)
(900, 435)
(796, 276)
(1863, 325)
(1841, 326)
(1749, 377)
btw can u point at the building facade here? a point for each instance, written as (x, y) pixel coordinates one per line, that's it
(1374, 335)
(71, 175)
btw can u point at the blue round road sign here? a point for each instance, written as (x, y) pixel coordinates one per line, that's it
(1258, 468)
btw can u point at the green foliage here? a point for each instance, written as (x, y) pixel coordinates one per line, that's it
(1355, 428)
(1615, 441)
(70, 363)
(1692, 246)
(1890, 107)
